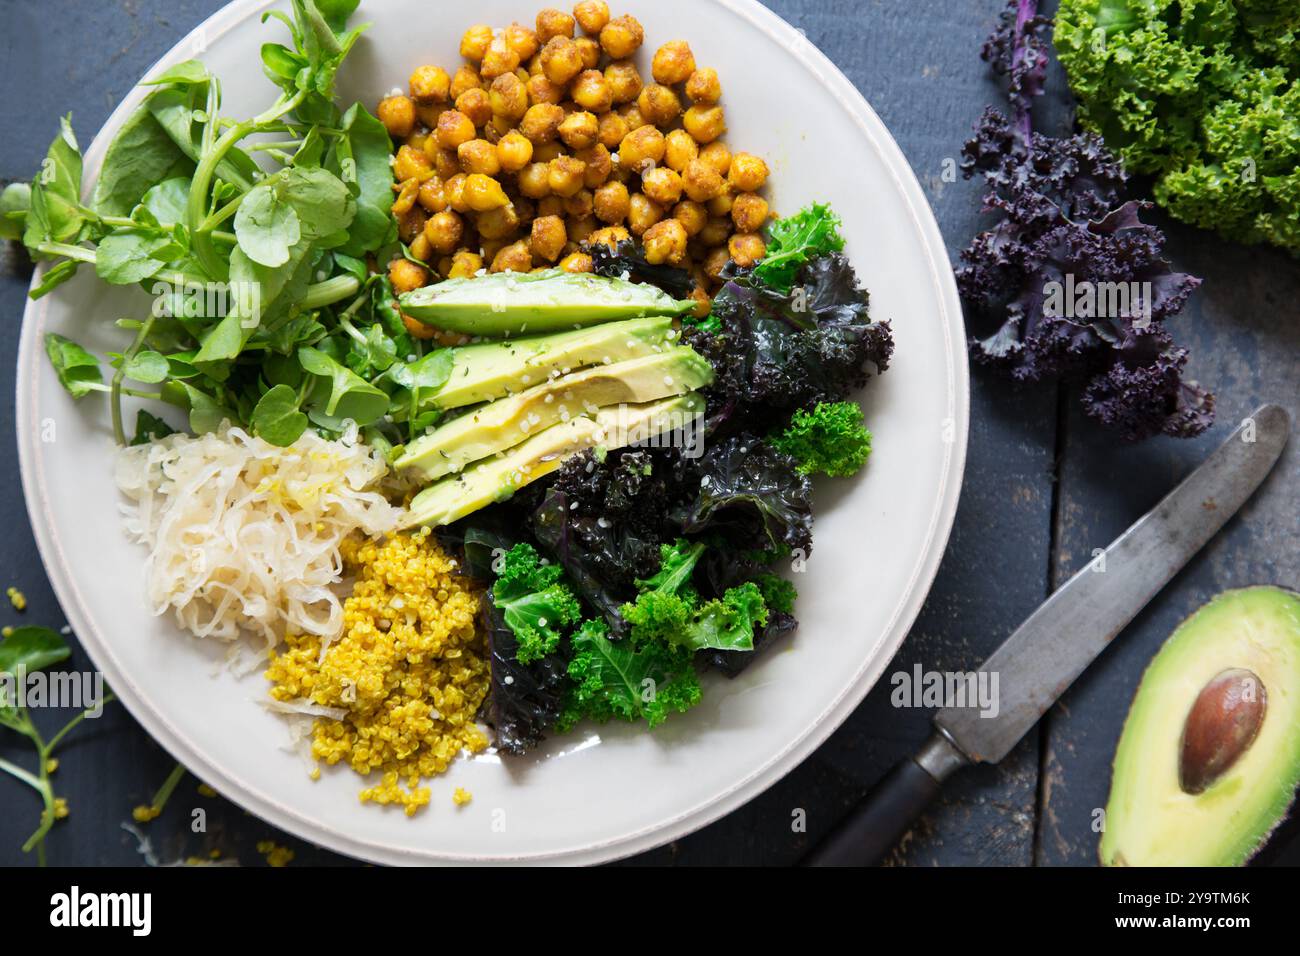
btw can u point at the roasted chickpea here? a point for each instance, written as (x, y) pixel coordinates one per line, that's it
(419, 248)
(507, 98)
(673, 63)
(592, 15)
(691, 215)
(444, 231)
(631, 114)
(397, 113)
(466, 78)
(522, 40)
(610, 236)
(715, 262)
(659, 105)
(621, 37)
(590, 52)
(580, 205)
(542, 90)
(514, 152)
(475, 105)
(547, 238)
(554, 23)
(715, 231)
(454, 190)
(445, 162)
(642, 213)
(534, 181)
(705, 123)
(579, 130)
(746, 249)
(541, 123)
(499, 223)
(478, 156)
(718, 156)
(599, 165)
(498, 60)
(703, 87)
(580, 230)
(513, 258)
(545, 152)
(679, 149)
(483, 192)
(561, 60)
(703, 304)
(431, 195)
(464, 265)
(625, 83)
(720, 205)
(665, 242)
(641, 147)
(612, 130)
(454, 128)
(474, 44)
(411, 164)
(749, 212)
(577, 262)
(591, 91)
(565, 175)
(662, 185)
(430, 84)
(550, 206)
(406, 196)
(747, 172)
(611, 203)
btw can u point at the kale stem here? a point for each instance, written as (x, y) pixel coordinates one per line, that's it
(1026, 10)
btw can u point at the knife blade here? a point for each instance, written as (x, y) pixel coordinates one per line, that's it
(1056, 643)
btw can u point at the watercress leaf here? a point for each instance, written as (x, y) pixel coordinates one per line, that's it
(431, 371)
(276, 417)
(139, 156)
(127, 256)
(206, 413)
(175, 108)
(351, 265)
(76, 368)
(323, 203)
(150, 428)
(189, 72)
(361, 159)
(343, 394)
(281, 64)
(15, 200)
(167, 200)
(266, 224)
(55, 212)
(261, 294)
(32, 648)
(148, 367)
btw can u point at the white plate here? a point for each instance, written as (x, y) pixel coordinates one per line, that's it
(605, 792)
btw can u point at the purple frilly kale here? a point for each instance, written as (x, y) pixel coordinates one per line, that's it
(1070, 280)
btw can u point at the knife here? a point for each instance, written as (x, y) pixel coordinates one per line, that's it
(1058, 641)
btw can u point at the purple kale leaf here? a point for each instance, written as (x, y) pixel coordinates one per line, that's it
(1069, 282)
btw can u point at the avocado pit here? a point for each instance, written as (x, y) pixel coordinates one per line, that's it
(1221, 726)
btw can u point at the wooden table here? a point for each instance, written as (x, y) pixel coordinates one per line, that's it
(1043, 486)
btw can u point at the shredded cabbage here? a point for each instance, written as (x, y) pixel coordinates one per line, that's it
(244, 536)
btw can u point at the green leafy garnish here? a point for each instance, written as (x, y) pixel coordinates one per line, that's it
(812, 232)
(535, 602)
(830, 440)
(626, 680)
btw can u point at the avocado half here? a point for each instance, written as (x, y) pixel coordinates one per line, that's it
(1209, 759)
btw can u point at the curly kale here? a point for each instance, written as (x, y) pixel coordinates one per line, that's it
(525, 699)
(1071, 281)
(627, 258)
(830, 440)
(778, 351)
(1203, 94)
(810, 233)
(534, 602)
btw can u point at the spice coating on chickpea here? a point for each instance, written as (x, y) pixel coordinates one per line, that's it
(703, 87)
(665, 242)
(705, 123)
(406, 276)
(444, 231)
(592, 15)
(498, 59)
(621, 37)
(554, 23)
(746, 249)
(561, 60)
(673, 63)
(430, 84)
(547, 238)
(397, 113)
(565, 175)
(579, 130)
(591, 91)
(662, 185)
(513, 258)
(475, 41)
(625, 83)
(747, 172)
(454, 128)
(749, 212)
(659, 105)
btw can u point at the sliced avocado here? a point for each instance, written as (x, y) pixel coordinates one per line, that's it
(510, 303)
(490, 370)
(496, 479)
(507, 422)
(1209, 759)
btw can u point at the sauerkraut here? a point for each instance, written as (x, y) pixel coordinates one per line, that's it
(244, 536)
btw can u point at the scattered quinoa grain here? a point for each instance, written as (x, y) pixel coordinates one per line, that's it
(461, 797)
(275, 855)
(17, 599)
(144, 813)
(206, 791)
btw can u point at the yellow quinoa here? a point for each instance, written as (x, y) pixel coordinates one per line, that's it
(461, 797)
(275, 855)
(17, 599)
(409, 669)
(206, 791)
(143, 813)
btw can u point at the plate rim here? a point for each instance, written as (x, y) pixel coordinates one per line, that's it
(323, 833)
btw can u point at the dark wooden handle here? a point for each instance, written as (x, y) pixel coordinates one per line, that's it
(876, 825)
